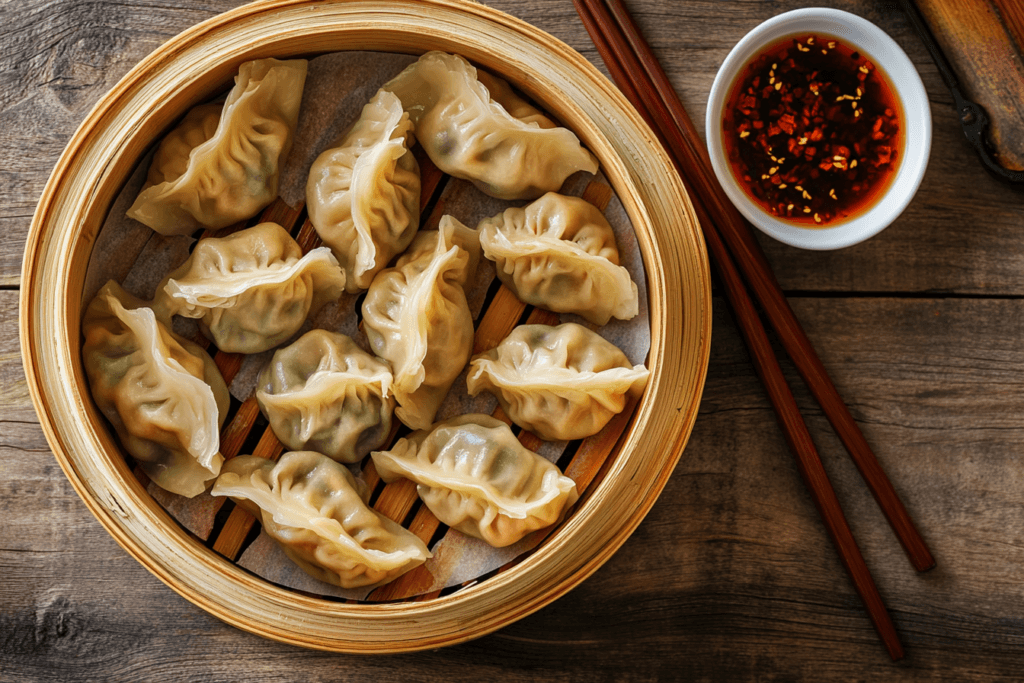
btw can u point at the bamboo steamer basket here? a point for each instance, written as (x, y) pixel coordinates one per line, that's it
(197, 64)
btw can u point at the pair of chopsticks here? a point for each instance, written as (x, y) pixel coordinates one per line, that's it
(735, 250)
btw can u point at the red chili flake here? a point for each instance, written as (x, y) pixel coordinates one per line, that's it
(797, 123)
(884, 155)
(787, 122)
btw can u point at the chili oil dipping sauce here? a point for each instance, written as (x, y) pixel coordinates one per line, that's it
(786, 125)
(813, 130)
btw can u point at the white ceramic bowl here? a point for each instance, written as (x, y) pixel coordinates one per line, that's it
(916, 116)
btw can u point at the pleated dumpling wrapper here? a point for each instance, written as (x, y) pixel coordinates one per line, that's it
(363, 194)
(251, 290)
(323, 393)
(471, 135)
(559, 253)
(561, 383)
(162, 393)
(475, 476)
(222, 163)
(416, 317)
(318, 513)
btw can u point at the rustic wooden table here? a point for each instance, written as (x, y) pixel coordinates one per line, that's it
(731, 576)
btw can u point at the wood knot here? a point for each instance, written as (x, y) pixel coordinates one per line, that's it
(57, 622)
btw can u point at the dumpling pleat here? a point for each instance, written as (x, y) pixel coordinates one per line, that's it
(163, 394)
(475, 476)
(561, 383)
(234, 173)
(312, 507)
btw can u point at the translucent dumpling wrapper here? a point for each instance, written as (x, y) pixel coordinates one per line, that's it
(561, 383)
(469, 134)
(251, 290)
(323, 393)
(221, 164)
(416, 317)
(317, 512)
(363, 194)
(476, 477)
(162, 393)
(559, 253)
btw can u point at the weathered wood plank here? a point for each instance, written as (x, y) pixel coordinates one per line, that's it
(731, 567)
(62, 56)
(15, 404)
(730, 576)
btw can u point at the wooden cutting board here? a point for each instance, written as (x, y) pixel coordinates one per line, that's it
(983, 40)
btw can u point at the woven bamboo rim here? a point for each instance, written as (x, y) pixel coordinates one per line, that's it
(196, 64)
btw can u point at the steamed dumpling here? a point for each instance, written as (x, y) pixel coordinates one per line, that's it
(416, 317)
(325, 394)
(476, 477)
(363, 194)
(251, 290)
(470, 135)
(162, 393)
(559, 253)
(222, 163)
(562, 382)
(316, 510)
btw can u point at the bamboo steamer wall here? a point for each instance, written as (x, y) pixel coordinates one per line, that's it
(200, 62)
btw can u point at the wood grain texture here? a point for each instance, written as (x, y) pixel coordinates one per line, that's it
(730, 577)
(972, 227)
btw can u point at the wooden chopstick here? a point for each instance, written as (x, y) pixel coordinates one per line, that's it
(633, 78)
(696, 169)
(799, 439)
